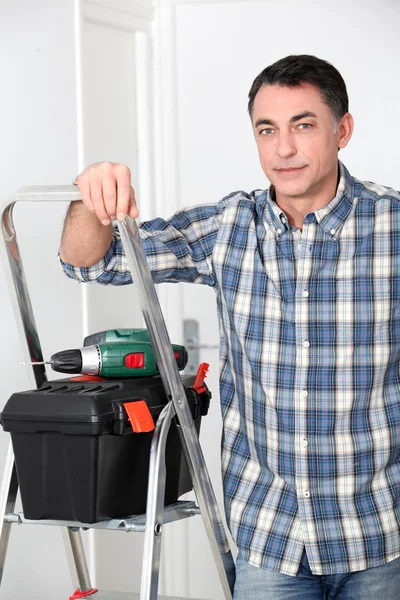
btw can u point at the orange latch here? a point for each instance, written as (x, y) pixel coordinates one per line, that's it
(200, 377)
(139, 416)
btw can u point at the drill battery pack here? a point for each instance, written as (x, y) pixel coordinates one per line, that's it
(80, 457)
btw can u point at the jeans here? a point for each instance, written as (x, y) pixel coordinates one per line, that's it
(378, 583)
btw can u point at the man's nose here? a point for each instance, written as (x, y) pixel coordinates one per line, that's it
(285, 145)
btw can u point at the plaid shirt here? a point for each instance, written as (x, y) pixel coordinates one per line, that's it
(310, 374)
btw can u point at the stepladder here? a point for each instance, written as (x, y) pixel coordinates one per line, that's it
(157, 514)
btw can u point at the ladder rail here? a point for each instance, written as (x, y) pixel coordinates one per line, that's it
(155, 506)
(32, 352)
(8, 497)
(79, 558)
(170, 375)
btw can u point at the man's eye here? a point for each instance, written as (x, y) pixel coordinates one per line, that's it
(266, 131)
(305, 126)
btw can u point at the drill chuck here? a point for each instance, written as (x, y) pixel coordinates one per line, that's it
(67, 361)
(85, 360)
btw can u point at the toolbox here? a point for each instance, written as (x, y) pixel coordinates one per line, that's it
(80, 457)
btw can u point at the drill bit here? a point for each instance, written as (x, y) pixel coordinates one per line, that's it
(27, 364)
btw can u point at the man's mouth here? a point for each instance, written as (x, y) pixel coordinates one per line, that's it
(288, 170)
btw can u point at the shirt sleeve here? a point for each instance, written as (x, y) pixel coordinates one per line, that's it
(177, 250)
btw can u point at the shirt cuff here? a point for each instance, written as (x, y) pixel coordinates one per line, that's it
(92, 273)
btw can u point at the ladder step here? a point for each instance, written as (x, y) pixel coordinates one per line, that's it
(181, 509)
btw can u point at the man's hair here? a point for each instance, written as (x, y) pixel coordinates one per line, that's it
(293, 71)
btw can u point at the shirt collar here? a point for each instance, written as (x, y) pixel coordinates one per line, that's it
(331, 217)
(278, 217)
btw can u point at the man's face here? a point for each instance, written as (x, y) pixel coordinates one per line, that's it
(296, 140)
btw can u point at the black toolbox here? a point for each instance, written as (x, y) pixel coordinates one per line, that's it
(76, 454)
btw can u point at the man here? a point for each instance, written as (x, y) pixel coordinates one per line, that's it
(307, 280)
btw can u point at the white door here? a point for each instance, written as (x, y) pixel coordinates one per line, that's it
(210, 52)
(115, 104)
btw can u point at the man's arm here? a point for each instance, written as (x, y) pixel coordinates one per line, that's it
(107, 194)
(85, 240)
(177, 249)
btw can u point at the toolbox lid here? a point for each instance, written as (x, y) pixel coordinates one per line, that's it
(58, 404)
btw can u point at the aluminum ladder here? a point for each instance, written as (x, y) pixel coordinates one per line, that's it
(156, 514)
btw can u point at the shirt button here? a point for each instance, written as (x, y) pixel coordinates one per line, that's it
(306, 493)
(304, 393)
(279, 231)
(304, 442)
(333, 231)
(305, 294)
(306, 344)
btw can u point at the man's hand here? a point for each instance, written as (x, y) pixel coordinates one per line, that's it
(107, 192)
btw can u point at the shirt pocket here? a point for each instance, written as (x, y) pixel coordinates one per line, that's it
(363, 308)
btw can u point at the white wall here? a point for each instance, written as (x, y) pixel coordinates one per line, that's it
(39, 146)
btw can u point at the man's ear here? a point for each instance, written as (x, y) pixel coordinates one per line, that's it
(345, 130)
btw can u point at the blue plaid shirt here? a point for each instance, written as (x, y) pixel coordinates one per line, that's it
(310, 374)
